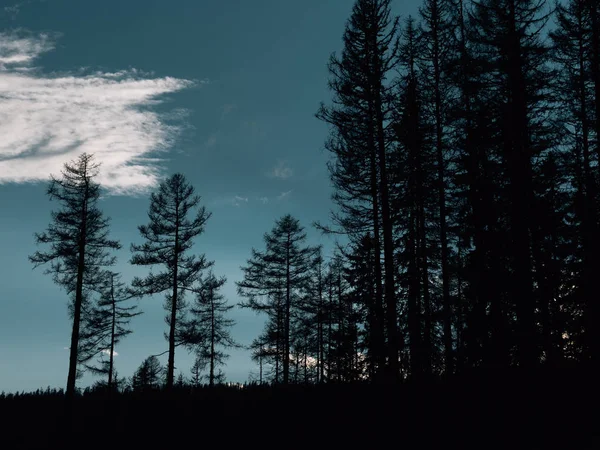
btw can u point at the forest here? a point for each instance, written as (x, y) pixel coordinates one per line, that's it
(460, 303)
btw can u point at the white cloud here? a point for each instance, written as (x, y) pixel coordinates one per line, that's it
(284, 195)
(281, 171)
(235, 200)
(20, 48)
(238, 200)
(264, 200)
(46, 121)
(106, 351)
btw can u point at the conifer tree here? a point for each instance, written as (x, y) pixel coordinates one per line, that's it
(275, 282)
(168, 238)
(360, 142)
(107, 324)
(208, 327)
(79, 245)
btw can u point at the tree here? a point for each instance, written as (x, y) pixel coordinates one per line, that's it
(108, 323)
(360, 142)
(168, 238)
(275, 282)
(148, 376)
(507, 33)
(438, 46)
(79, 244)
(360, 276)
(418, 200)
(208, 328)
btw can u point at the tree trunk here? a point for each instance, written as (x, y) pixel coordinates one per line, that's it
(286, 356)
(519, 167)
(212, 340)
(447, 305)
(593, 305)
(112, 332)
(321, 350)
(171, 362)
(424, 266)
(388, 239)
(73, 353)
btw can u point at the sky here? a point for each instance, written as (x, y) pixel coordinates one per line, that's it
(223, 91)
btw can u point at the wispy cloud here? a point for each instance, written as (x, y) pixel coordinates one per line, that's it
(284, 195)
(106, 351)
(281, 171)
(264, 200)
(13, 10)
(46, 121)
(233, 200)
(238, 200)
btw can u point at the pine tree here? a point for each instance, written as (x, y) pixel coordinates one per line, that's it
(507, 34)
(416, 201)
(281, 274)
(148, 376)
(168, 238)
(107, 324)
(359, 274)
(360, 142)
(79, 245)
(574, 92)
(209, 328)
(438, 48)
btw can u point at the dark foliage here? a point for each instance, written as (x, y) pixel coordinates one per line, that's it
(507, 409)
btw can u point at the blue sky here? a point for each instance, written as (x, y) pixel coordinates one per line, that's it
(223, 91)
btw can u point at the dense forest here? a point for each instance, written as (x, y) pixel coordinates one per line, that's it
(465, 163)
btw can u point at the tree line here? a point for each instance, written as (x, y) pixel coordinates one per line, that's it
(101, 308)
(465, 157)
(465, 154)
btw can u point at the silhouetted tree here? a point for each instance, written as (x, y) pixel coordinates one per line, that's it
(360, 142)
(275, 281)
(197, 368)
(573, 85)
(108, 323)
(148, 375)
(360, 276)
(438, 49)
(507, 34)
(79, 244)
(209, 328)
(168, 238)
(417, 200)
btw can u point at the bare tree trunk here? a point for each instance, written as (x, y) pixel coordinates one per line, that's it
(171, 362)
(286, 357)
(112, 332)
(73, 352)
(212, 339)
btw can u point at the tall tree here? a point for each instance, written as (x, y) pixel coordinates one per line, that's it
(275, 281)
(417, 199)
(360, 142)
(209, 328)
(168, 238)
(575, 95)
(507, 32)
(79, 244)
(592, 303)
(437, 50)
